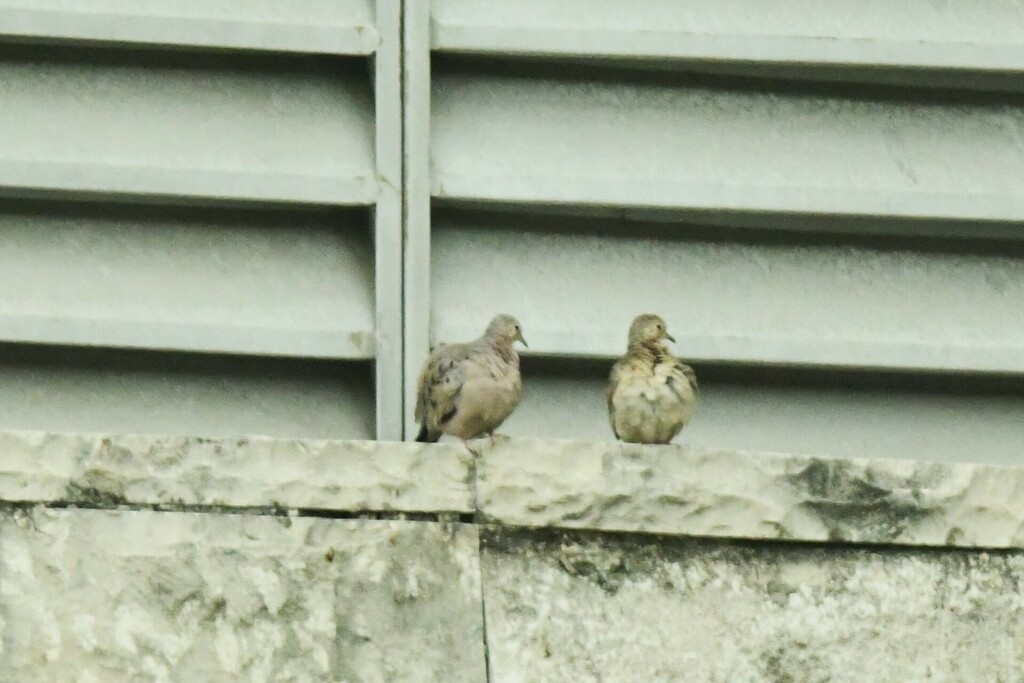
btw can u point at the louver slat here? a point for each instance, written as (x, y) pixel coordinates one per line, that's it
(338, 27)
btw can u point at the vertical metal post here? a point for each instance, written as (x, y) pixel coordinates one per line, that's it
(388, 220)
(416, 91)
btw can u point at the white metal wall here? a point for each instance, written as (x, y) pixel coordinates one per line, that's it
(200, 216)
(201, 213)
(825, 189)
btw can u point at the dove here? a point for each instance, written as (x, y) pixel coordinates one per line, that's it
(651, 394)
(468, 390)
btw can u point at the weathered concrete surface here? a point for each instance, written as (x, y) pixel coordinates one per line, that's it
(575, 606)
(329, 475)
(701, 492)
(103, 596)
(126, 595)
(543, 483)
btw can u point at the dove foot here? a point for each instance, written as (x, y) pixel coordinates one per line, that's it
(495, 437)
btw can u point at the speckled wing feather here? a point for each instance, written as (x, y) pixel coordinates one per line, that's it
(439, 385)
(613, 382)
(687, 372)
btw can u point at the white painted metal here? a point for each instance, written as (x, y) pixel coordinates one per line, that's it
(519, 139)
(416, 89)
(211, 133)
(199, 124)
(614, 183)
(227, 397)
(276, 283)
(229, 130)
(919, 34)
(576, 293)
(326, 26)
(828, 421)
(388, 221)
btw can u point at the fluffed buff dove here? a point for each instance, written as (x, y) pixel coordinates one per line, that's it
(467, 390)
(651, 394)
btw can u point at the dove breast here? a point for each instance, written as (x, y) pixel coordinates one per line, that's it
(491, 390)
(650, 401)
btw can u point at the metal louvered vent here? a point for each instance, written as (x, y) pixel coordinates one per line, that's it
(823, 200)
(200, 217)
(201, 213)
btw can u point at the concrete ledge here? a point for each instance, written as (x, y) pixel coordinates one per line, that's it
(125, 594)
(605, 486)
(343, 476)
(681, 491)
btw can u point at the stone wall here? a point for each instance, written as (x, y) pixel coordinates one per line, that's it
(172, 559)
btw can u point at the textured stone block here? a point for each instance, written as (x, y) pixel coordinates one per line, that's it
(598, 485)
(107, 596)
(257, 472)
(700, 492)
(581, 607)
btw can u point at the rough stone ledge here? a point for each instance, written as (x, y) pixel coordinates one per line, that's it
(672, 490)
(701, 492)
(183, 472)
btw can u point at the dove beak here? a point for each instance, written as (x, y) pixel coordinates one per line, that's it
(670, 337)
(519, 337)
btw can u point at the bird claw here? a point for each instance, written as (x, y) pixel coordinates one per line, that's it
(495, 437)
(492, 440)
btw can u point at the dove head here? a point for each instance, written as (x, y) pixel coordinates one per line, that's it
(505, 330)
(649, 331)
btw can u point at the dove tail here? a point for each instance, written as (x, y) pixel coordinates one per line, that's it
(426, 437)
